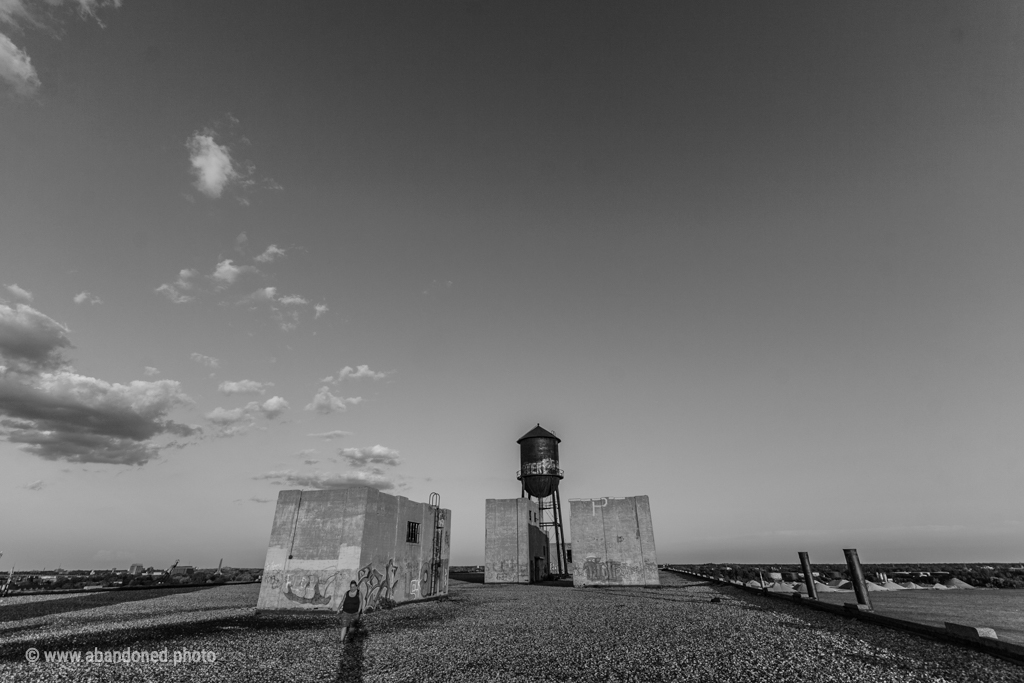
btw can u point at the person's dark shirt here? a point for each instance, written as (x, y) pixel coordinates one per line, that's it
(351, 604)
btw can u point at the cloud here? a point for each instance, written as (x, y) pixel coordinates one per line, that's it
(320, 310)
(241, 241)
(211, 164)
(373, 478)
(35, 486)
(234, 421)
(336, 434)
(227, 272)
(16, 68)
(150, 371)
(358, 373)
(66, 416)
(208, 361)
(270, 254)
(173, 294)
(265, 294)
(372, 455)
(292, 300)
(245, 386)
(274, 407)
(31, 341)
(310, 461)
(17, 291)
(325, 402)
(83, 297)
(184, 278)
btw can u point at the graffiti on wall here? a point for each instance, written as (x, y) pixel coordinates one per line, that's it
(601, 570)
(375, 586)
(306, 588)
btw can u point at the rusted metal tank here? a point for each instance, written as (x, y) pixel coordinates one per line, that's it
(538, 462)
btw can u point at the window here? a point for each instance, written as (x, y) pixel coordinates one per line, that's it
(413, 534)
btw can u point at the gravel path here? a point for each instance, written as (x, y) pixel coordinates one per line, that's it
(481, 633)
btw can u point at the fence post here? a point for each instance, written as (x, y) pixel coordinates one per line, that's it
(857, 577)
(805, 562)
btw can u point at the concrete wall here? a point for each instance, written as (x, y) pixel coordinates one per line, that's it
(515, 548)
(321, 540)
(613, 542)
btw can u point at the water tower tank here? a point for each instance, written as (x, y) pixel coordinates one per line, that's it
(538, 461)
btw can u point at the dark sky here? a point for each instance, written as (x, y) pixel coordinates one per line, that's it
(758, 261)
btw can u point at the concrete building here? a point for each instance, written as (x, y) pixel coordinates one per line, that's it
(515, 548)
(394, 548)
(613, 542)
(136, 569)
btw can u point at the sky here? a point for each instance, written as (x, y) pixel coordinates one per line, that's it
(760, 262)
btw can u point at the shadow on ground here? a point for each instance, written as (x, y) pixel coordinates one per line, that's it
(82, 601)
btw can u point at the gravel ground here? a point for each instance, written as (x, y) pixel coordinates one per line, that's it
(481, 633)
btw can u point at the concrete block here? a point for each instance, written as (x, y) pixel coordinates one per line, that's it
(613, 542)
(322, 540)
(515, 547)
(971, 632)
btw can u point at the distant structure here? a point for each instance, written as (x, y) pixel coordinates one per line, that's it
(393, 548)
(524, 541)
(515, 547)
(540, 476)
(613, 542)
(136, 569)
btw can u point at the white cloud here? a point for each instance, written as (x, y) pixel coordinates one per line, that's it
(211, 164)
(265, 294)
(235, 421)
(269, 255)
(336, 434)
(325, 402)
(184, 278)
(241, 241)
(292, 300)
(359, 372)
(150, 371)
(19, 292)
(245, 386)
(227, 272)
(208, 361)
(274, 407)
(31, 341)
(323, 480)
(173, 294)
(372, 455)
(16, 68)
(15, 65)
(83, 297)
(222, 416)
(320, 310)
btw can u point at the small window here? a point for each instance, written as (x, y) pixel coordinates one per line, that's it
(413, 534)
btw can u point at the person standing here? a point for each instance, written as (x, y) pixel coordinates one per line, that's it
(351, 609)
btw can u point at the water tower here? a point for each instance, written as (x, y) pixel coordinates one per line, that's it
(540, 475)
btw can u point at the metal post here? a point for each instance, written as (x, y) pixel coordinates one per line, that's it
(857, 577)
(805, 562)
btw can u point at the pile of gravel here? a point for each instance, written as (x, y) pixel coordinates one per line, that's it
(484, 633)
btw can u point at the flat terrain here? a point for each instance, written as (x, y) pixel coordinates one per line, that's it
(998, 608)
(480, 633)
